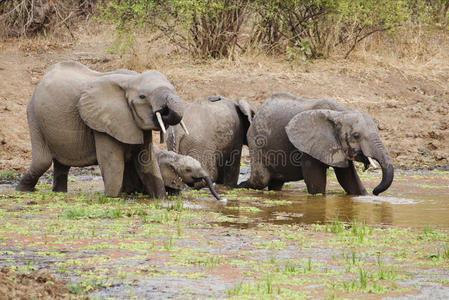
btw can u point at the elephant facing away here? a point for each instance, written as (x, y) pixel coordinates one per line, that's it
(80, 117)
(217, 129)
(178, 171)
(291, 139)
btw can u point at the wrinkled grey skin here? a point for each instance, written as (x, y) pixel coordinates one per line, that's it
(292, 139)
(80, 117)
(178, 171)
(217, 129)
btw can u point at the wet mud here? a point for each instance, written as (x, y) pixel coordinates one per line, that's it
(258, 244)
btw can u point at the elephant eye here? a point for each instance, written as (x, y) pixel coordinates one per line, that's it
(356, 135)
(188, 170)
(142, 96)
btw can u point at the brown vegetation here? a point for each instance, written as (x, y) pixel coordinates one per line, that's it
(31, 17)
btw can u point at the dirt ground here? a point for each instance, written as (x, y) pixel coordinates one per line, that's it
(408, 100)
(36, 285)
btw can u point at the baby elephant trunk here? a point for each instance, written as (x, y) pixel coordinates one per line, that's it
(211, 187)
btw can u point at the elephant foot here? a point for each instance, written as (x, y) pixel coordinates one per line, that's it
(23, 188)
(27, 184)
(243, 185)
(314, 192)
(275, 185)
(59, 189)
(248, 185)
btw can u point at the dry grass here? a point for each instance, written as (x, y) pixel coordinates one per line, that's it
(412, 46)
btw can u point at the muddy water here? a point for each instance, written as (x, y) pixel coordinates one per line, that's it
(408, 210)
(416, 199)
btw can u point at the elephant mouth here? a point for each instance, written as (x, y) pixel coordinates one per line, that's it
(195, 180)
(164, 116)
(367, 161)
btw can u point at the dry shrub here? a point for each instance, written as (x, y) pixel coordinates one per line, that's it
(31, 17)
(216, 34)
(409, 44)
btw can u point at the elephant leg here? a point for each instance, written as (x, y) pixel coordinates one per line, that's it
(131, 181)
(148, 170)
(60, 174)
(314, 173)
(349, 180)
(231, 170)
(219, 174)
(275, 185)
(40, 162)
(259, 178)
(111, 159)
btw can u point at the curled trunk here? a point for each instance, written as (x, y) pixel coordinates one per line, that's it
(387, 179)
(381, 155)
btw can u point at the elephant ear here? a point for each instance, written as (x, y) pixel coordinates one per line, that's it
(314, 132)
(103, 107)
(247, 109)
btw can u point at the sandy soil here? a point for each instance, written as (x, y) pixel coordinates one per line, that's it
(409, 101)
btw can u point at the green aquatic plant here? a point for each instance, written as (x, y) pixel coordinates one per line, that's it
(335, 227)
(8, 175)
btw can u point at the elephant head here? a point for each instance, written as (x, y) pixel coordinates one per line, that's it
(125, 105)
(179, 170)
(334, 137)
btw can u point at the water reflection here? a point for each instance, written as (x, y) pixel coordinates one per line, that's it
(415, 199)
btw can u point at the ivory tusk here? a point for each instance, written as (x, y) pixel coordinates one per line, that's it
(183, 125)
(161, 137)
(372, 163)
(161, 123)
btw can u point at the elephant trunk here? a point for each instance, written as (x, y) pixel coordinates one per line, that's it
(211, 187)
(381, 155)
(175, 110)
(169, 105)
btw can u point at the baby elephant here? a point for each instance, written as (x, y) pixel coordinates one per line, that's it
(177, 171)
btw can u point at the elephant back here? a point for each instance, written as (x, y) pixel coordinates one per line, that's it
(267, 128)
(53, 111)
(267, 136)
(215, 128)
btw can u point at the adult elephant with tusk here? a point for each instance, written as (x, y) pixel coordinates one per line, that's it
(80, 117)
(292, 139)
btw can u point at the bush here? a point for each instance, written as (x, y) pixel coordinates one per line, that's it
(31, 17)
(318, 27)
(206, 28)
(305, 28)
